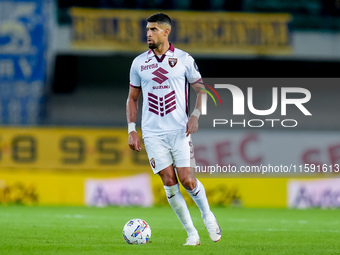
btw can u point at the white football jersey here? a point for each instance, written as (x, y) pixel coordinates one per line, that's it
(164, 82)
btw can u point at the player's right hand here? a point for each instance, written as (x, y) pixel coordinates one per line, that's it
(134, 141)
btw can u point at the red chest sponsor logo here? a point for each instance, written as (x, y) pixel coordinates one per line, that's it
(148, 67)
(162, 105)
(160, 75)
(161, 87)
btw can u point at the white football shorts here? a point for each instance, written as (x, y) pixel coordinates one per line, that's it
(172, 148)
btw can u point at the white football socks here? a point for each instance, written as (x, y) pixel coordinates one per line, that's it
(200, 198)
(179, 205)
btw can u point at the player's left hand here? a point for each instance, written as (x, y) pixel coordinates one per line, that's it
(192, 125)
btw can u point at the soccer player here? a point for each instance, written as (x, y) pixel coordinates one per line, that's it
(162, 75)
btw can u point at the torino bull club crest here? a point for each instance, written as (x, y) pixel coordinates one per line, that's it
(173, 61)
(153, 163)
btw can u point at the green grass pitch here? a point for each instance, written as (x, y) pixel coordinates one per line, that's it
(88, 230)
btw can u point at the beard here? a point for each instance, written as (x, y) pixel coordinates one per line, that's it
(153, 46)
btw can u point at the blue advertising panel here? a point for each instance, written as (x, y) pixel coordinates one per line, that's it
(23, 46)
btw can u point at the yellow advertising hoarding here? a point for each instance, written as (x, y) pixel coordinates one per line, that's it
(50, 166)
(69, 148)
(195, 32)
(68, 188)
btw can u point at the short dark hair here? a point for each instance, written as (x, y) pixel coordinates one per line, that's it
(160, 18)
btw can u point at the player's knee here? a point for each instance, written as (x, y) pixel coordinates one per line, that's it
(169, 181)
(188, 183)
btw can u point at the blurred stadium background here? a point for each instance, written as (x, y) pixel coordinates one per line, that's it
(64, 76)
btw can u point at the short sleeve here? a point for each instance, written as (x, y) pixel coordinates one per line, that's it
(191, 70)
(134, 76)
